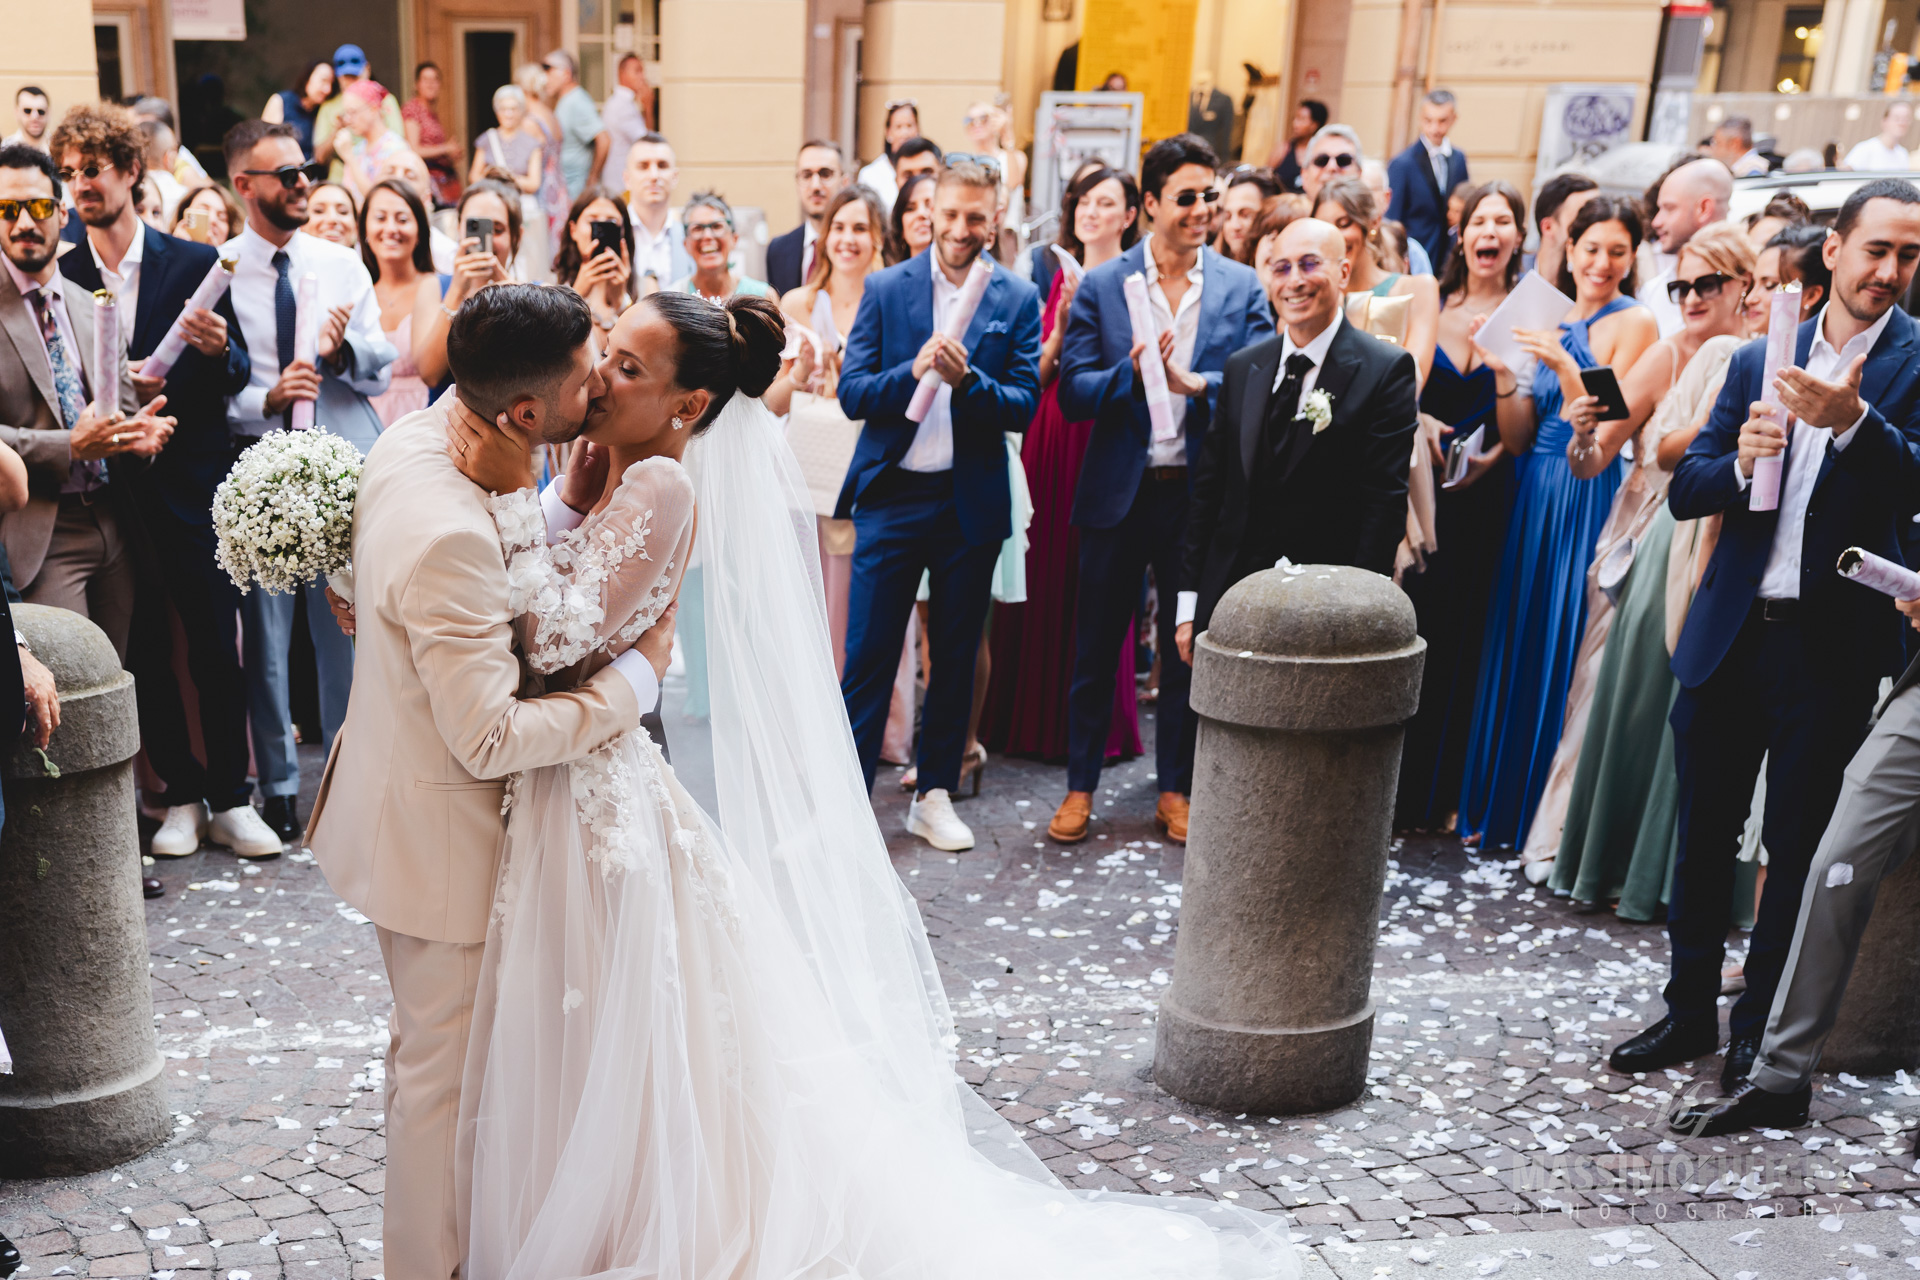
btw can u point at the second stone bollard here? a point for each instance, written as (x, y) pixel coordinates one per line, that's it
(76, 1003)
(1302, 685)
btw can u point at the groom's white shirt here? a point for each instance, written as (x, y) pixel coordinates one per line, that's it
(407, 825)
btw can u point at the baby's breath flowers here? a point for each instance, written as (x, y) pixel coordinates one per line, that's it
(284, 514)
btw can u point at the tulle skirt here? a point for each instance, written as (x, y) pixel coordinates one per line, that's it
(658, 1086)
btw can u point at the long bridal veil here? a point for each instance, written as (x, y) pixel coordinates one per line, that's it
(794, 809)
(721, 1050)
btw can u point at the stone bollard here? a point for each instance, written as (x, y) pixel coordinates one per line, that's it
(1302, 685)
(1877, 1030)
(75, 1000)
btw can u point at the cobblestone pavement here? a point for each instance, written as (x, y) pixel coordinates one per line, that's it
(1490, 1110)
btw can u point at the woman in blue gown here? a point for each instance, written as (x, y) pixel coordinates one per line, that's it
(1451, 590)
(1539, 604)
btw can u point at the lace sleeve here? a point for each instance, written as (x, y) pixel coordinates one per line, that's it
(607, 581)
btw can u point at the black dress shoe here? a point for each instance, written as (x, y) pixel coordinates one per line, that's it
(1750, 1107)
(1741, 1051)
(280, 815)
(1665, 1043)
(9, 1257)
(152, 888)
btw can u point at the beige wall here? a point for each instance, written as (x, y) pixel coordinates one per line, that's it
(1500, 58)
(733, 98)
(49, 45)
(946, 53)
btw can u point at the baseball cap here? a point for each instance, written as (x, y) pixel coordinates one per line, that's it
(350, 59)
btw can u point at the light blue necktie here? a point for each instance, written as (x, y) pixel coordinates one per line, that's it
(67, 386)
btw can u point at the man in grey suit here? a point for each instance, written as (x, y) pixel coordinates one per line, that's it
(1874, 828)
(69, 544)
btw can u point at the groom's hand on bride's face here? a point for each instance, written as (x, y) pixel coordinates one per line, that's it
(656, 646)
(586, 477)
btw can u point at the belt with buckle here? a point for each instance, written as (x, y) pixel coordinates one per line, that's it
(1779, 610)
(80, 498)
(1167, 473)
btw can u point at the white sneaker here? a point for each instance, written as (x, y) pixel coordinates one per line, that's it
(244, 831)
(180, 832)
(931, 818)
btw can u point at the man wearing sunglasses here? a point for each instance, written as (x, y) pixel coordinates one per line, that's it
(1271, 481)
(1131, 500)
(30, 110)
(1335, 152)
(271, 259)
(100, 153)
(1691, 197)
(69, 545)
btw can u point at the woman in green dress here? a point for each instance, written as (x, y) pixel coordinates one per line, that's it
(1619, 756)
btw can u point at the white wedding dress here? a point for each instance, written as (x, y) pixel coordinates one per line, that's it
(716, 1047)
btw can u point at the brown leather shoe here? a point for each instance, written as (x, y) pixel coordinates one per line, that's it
(1069, 825)
(1171, 816)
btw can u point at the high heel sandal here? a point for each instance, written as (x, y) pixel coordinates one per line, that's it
(975, 763)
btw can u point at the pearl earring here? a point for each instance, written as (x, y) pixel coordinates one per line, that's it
(676, 422)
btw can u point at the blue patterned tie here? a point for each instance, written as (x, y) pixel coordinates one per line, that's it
(66, 385)
(286, 318)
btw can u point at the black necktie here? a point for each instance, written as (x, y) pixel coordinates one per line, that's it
(286, 316)
(1285, 406)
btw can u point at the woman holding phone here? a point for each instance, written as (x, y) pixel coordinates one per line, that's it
(1596, 861)
(596, 257)
(1539, 606)
(1450, 595)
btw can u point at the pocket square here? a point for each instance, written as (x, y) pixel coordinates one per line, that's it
(993, 326)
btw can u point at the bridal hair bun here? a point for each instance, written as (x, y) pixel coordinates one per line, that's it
(722, 347)
(759, 334)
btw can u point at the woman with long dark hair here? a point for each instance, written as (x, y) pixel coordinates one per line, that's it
(1031, 652)
(1539, 610)
(393, 244)
(1450, 595)
(603, 278)
(902, 125)
(299, 105)
(910, 228)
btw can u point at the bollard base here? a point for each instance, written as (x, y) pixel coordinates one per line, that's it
(82, 1136)
(1271, 1071)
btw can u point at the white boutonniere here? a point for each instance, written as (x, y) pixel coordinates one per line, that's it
(1318, 409)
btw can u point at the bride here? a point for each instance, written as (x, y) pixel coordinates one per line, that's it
(716, 1047)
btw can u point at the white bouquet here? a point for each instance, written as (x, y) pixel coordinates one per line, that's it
(284, 514)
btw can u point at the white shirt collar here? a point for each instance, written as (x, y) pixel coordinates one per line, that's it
(1444, 149)
(1859, 344)
(253, 245)
(807, 236)
(136, 253)
(1195, 273)
(1316, 350)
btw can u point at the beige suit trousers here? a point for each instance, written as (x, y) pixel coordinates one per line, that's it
(433, 987)
(88, 569)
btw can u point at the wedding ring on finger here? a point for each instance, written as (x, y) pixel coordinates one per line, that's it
(120, 437)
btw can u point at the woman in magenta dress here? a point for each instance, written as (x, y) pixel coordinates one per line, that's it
(1032, 643)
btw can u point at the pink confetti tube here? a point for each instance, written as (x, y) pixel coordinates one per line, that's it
(1153, 371)
(1783, 326)
(106, 353)
(970, 294)
(306, 339)
(1883, 575)
(205, 298)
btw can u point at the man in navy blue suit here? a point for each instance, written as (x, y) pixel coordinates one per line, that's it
(1782, 656)
(1131, 499)
(818, 175)
(933, 497)
(99, 150)
(1424, 175)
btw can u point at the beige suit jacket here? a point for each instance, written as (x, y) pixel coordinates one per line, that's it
(407, 825)
(30, 420)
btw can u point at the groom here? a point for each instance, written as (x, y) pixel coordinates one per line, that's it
(436, 722)
(1309, 458)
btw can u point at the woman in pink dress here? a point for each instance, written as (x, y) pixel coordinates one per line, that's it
(1026, 711)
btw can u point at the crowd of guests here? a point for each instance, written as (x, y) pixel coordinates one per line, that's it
(1621, 681)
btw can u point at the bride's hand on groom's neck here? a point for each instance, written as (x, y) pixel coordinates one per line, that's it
(585, 482)
(497, 455)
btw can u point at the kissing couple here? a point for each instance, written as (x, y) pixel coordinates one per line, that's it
(631, 1039)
